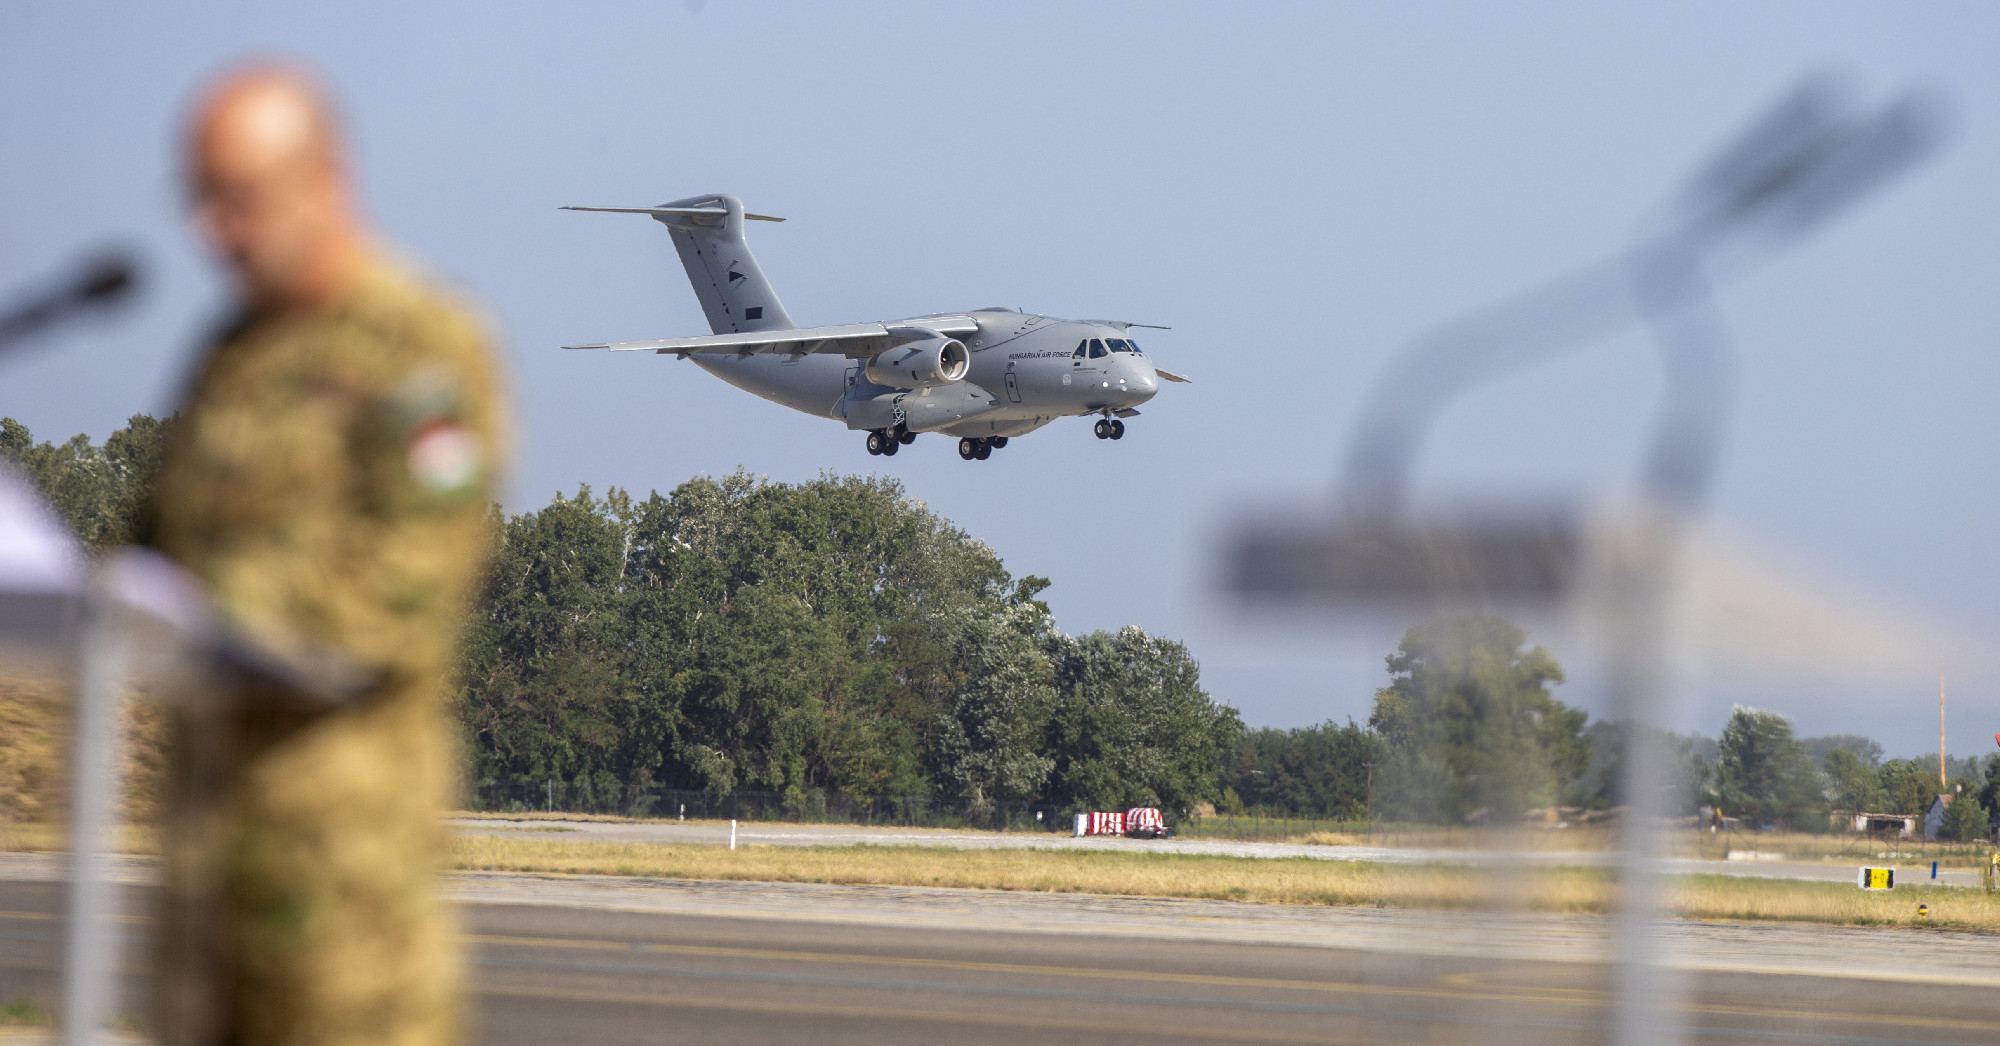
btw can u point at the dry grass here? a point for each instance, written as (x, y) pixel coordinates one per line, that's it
(1539, 840)
(1284, 881)
(34, 750)
(54, 838)
(1833, 848)
(1299, 881)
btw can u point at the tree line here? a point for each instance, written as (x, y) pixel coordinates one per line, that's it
(838, 637)
(1468, 730)
(828, 636)
(833, 636)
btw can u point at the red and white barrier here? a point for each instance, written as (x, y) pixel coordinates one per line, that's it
(1137, 819)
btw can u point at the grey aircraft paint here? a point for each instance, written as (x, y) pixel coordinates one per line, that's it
(983, 376)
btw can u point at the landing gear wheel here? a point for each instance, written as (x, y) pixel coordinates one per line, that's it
(875, 442)
(890, 447)
(998, 442)
(1102, 428)
(968, 449)
(906, 438)
(985, 450)
(1117, 430)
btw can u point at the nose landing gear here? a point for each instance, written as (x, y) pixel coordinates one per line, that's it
(1109, 428)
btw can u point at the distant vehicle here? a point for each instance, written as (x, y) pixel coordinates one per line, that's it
(984, 376)
(1145, 822)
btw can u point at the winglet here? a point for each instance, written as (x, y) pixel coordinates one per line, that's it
(709, 212)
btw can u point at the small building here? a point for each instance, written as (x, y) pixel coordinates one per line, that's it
(1934, 819)
(1902, 825)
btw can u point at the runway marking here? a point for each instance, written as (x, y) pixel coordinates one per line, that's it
(1481, 979)
(1465, 986)
(52, 917)
(903, 1013)
(1026, 969)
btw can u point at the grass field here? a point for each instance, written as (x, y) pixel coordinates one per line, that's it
(1297, 881)
(1286, 881)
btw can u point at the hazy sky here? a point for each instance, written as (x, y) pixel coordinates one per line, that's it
(1296, 189)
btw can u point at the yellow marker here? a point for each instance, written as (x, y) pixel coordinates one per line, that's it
(1923, 913)
(1877, 879)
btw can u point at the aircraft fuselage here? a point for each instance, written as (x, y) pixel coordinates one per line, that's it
(1025, 371)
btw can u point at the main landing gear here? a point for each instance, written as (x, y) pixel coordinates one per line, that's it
(887, 441)
(1109, 428)
(980, 448)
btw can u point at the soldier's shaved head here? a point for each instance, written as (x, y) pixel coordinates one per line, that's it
(269, 179)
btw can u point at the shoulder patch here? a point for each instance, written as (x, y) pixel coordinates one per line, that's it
(444, 457)
(442, 454)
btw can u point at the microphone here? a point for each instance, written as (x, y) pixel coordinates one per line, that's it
(100, 282)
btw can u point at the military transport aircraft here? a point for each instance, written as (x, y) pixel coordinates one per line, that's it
(983, 376)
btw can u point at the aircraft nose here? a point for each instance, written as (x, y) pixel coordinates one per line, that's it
(1142, 383)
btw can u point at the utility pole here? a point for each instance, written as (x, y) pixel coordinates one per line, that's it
(1940, 731)
(1370, 801)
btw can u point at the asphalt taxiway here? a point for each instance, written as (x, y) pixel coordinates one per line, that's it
(558, 959)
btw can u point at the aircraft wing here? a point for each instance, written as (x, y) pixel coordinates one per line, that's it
(853, 340)
(1171, 376)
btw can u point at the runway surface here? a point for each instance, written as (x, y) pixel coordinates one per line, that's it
(561, 959)
(780, 834)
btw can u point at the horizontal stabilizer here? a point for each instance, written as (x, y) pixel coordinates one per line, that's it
(701, 212)
(1171, 376)
(853, 340)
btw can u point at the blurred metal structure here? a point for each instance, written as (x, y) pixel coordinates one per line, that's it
(43, 612)
(1818, 152)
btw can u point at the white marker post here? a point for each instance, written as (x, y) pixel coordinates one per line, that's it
(732, 833)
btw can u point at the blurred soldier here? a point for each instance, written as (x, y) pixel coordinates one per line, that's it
(328, 483)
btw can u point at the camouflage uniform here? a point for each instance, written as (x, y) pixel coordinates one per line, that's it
(329, 483)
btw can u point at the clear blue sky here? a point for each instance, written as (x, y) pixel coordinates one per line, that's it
(1296, 189)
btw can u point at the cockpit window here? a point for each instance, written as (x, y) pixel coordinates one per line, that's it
(1135, 347)
(1082, 348)
(1096, 348)
(1118, 344)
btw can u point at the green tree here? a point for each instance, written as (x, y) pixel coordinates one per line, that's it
(1133, 727)
(100, 490)
(1989, 788)
(1322, 770)
(1965, 818)
(541, 688)
(1909, 785)
(1471, 724)
(830, 636)
(1862, 748)
(1765, 775)
(1852, 785)
(993, 736)
(1688, 757)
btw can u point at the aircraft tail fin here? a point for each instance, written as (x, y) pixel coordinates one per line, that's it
(708, 234)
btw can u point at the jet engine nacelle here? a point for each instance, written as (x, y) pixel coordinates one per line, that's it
(920, 364)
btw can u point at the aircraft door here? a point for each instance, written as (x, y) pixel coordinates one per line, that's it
(1013, 388)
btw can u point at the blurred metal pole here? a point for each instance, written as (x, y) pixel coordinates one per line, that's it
(1812, 155)
(104, 655)
(1697, 358)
